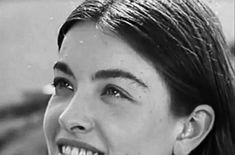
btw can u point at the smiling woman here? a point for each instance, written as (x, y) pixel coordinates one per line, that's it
(141, 77)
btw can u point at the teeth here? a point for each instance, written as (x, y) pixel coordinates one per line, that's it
(89, 153)
(67, 150)
(63, 149)
(82, 152)
(75, 151)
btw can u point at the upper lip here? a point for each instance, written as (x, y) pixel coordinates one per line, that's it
(64, 141)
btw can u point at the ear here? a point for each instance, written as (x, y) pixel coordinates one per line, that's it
(195, 128)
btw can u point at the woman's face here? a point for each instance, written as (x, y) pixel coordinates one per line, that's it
(108, 99)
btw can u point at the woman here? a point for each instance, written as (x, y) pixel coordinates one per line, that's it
(144, 77)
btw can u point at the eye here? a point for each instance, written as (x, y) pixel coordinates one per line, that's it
(62, 86)
(116, 92)
(113, 92)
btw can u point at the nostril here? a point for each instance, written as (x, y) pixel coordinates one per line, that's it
(79, 127)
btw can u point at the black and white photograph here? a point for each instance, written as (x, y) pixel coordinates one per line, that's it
(117, 77)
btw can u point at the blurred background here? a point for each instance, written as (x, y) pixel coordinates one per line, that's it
(28, 33)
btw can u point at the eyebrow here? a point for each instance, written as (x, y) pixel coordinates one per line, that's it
(117, 73)
(102, 74)
(64, 68)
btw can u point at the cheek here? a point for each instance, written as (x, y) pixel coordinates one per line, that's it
(160, 132)
(50, 123)
(136, 131)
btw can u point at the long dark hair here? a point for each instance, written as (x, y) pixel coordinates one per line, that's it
(184, 41)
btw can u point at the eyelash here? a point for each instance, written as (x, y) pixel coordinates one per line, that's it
(62, 83)
(112, 90)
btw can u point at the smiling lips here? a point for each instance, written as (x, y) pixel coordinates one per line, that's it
(70, 150)
(71, 147)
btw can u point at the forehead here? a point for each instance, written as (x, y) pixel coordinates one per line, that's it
(86, 41)
(86, 49)
(84, 33)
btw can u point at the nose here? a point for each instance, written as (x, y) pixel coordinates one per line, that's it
(76, 118)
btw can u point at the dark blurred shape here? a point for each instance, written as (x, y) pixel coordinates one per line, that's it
(34, 102)
(21, 126)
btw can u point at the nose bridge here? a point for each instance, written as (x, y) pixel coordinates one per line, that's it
(76, 115)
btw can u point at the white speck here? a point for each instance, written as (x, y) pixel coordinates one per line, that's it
(81, 41)
(51, 18)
